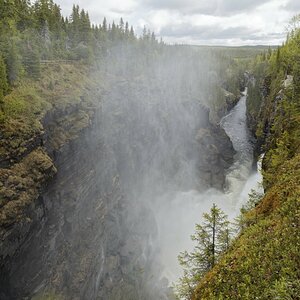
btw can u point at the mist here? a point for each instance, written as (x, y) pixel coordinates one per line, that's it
(114, 144)
(173, 154)
(164, 142)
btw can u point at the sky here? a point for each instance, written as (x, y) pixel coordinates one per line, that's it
(198, 22)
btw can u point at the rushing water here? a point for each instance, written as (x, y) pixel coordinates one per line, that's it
(235, 126)
(241, 177)
(179, 212)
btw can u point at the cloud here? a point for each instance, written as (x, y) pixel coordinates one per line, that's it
(293, 5)
(217, 34)
(220, 22)
(210, 7)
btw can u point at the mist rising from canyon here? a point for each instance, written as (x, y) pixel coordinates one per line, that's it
(130, 188)
(158, 121)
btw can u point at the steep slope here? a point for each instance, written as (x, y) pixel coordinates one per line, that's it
(264, 261)
(64, 229)
(82, 156)
(95, 123)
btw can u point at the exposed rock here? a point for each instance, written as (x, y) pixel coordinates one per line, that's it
(288, 81)
(217, 156)
(87, 235)
(73, 240)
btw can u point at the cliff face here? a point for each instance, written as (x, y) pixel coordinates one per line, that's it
(65, 229)
(263, 262)
(74, 220)
(79, 242)
(70, 236)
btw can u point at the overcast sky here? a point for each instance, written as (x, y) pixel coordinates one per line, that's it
(198, 22)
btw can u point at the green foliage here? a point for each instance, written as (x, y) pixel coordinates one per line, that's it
(13, 61)
(283, 289)
(264, 261)
(34, 32)
(83, 52)
(248, 215)
(23, 102)
(32, 63)
(212, 237)
(3, 80)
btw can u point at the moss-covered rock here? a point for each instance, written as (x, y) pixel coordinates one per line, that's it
(21, 184)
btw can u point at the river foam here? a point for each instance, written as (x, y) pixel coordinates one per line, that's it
(178, 212)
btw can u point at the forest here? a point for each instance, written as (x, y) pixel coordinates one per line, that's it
(141, 118)
(263, 261)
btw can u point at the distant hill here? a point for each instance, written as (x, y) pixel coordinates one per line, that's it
(239, 52)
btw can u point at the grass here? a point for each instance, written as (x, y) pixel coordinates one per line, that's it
(264, 262)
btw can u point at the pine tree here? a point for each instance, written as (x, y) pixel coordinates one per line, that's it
(23, 18)
(153, 37)
(85, 28)
(131, 34)
(104, 25)
(121, 25)
(126, 30)
(212, 238)
(113, 32)
(74, 24)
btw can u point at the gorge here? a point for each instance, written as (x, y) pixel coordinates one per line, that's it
(131, 185)
(113, 146)
(127, 182)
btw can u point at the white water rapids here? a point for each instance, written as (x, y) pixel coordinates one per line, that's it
(179, 212)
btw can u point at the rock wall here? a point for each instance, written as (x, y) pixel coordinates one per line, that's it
(83, 240)
(74, 223)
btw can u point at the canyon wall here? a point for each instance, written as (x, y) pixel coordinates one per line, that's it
(76, 217)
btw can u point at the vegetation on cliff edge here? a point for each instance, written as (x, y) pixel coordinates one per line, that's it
(264, 261)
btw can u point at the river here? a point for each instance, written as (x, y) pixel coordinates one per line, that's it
(178, 213)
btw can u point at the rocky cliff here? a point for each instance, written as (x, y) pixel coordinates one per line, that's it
(73, 223)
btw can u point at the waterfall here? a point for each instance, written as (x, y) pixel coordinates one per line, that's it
(177, 213)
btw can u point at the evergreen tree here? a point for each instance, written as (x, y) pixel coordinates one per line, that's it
(113, 32)
(126, 30)
(3, 79)
(13, 61)
(84, 28)
(32, 63)
(104, 25)
(74, 24)
(212, 238)
(145, 34)
(121, 25)
(153, 37)
(23, 14)
(131, 33)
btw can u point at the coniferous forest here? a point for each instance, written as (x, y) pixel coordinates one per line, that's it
(113, 142)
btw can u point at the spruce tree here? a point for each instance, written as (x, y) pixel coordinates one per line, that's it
(212, 238)
(104, 25)
(126, 30)
(131, 34)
